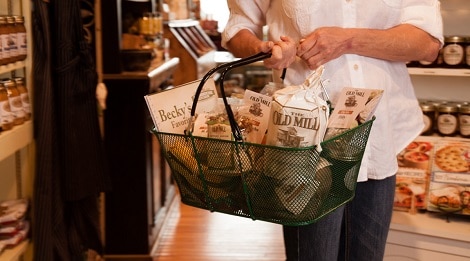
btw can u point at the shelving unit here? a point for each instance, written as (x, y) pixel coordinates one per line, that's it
(16, 145)
(439, 72)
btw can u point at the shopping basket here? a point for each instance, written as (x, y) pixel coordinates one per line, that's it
(289, 186)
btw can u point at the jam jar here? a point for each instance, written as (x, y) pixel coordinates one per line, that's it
(464, 120)
(6, 117)
(428, 118)
(447, 119)
(453, 52)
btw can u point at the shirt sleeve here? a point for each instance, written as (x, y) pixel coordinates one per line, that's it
(424, 14)
(245, 15)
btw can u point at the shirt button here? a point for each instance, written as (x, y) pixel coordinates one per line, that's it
(356, 67)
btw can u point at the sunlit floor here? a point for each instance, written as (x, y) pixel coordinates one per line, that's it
(192, 234)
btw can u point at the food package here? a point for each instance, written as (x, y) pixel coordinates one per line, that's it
(355, 106)
(253, 116)
(413, 174)
(299, 114)
(171, 109)
(449, 187)
(298, 118)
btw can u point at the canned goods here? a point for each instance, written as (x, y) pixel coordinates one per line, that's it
(453, 52)
(447, 119)
(464, 120)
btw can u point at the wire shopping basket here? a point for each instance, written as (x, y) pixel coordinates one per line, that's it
(289, 186)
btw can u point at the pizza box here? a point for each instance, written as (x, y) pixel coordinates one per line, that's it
(412, 177)
(449, 186)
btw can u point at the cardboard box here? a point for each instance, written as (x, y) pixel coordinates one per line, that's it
(449, 188)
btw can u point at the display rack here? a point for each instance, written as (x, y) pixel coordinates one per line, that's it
(16, 157)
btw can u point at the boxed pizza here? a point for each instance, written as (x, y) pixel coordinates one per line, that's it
(412, 177)
(449, 187)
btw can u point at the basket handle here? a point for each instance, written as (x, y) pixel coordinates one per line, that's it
(226, 67)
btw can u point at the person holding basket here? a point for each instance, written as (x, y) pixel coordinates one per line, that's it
(361, 44)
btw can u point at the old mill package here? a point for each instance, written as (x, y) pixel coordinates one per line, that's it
(298, 118)
(171, 109)
(354, 106)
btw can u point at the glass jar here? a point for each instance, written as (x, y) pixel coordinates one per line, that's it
(24, 95)
(464, 121)
(5, 56)
(453, 52)
(447, 119)
(12, 40)
(16, 105)
(20, 37)
(428, 118)
(6, 117)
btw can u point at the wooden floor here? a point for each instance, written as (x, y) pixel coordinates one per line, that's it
(192, 234)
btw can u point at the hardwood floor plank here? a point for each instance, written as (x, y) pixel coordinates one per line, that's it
(192, 234)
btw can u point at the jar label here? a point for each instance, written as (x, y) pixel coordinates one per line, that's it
(447, 124)
(16, 107)
(427, 124)
(464, 123)
(6, 117)
(453, 54)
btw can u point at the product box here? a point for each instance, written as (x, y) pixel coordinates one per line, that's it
(449, 187)
(171, 109)
(413, 174)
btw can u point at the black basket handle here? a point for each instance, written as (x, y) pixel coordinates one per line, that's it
(226, 67)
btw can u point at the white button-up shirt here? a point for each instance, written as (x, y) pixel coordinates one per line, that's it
(399, 118)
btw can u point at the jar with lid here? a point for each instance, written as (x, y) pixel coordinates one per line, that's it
(428, 118)
(24, 95)
(5, 56)
(12, 41)
(6, 117)
(15, 101)
(447, 119)
(464, 120)
(20, 37)
(453, 52)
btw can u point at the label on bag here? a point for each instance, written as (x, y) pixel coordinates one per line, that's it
(171, 109)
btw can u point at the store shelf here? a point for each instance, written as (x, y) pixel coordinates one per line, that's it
(11, 66)
(13, 254)
(15, 139)
(432, 224)
(439, 71)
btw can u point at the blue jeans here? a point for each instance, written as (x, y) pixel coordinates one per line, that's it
(356, 231)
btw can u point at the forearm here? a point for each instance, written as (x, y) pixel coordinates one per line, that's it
(401, 43)
(244, 44)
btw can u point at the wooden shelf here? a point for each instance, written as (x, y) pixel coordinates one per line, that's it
(11, 67)
(15, 139)
(13, 254)
(439, 225)
(439, 72)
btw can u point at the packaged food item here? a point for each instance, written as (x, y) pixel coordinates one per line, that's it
(354, 106)
(171, 109)
(449, 187)
(413, 174)
(299, 114)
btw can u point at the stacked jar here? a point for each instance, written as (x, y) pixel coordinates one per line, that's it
(13, 42)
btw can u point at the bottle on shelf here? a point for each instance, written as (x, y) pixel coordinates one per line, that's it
(24, 95)
(16, 105)
(20, 37)
(6, 117)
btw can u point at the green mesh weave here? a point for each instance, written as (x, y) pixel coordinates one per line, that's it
(289, 186)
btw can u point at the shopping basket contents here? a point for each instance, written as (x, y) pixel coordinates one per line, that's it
(284, 185)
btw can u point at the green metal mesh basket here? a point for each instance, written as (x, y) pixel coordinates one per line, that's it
(289, 186)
